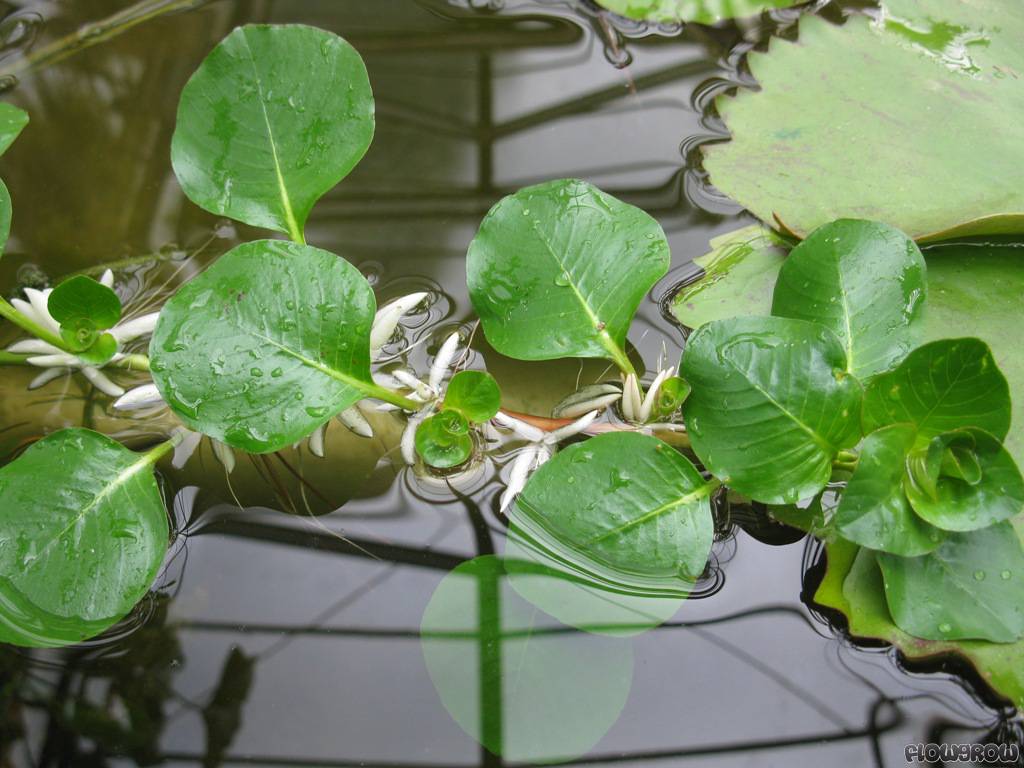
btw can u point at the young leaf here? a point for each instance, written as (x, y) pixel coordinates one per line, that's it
(940, 387)
(671, 396)
(874, 511)
(699, 11)
(971, 587)
(82, 298)
(864, 281)
(559, 269)
(83, 544)
(12, 123)
(272, 119)
(443, 440)
(267, 344)
(100, 351)
(474, 394)
(771, 405)
(478, 635)
(625, 520)
(966, 481)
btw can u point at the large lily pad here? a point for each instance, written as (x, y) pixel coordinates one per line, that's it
(853, 585)
(974, 289)
(83, 532)
(700, 11)
(272, 119)
(267, 344)
(840, 126)
(559, 269)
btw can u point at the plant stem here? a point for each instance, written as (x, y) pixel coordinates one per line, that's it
(153, 455)
(13, 358)
(8, 311)
(618, 356)
(390, 396)
(132, 363)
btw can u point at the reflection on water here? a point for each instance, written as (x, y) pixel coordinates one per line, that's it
(294, 639)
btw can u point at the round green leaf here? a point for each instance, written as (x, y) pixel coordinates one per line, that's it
(951, 496)
(699, 11)
(835, 128)
(940, 387)
(100, 351)
(873, 510)
(771, 405)
(443, 440)
(622, 526)
(82, 298)
(514, 680)
(864, 281)
(474, 394)
(559, 269)
(971, 587)
(81, 545)
(12, 123)
(272, 119)
(267, 344)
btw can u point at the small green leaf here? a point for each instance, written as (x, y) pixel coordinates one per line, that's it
(941, 494)
(474, 394)
(940, 387)
(874, 511)
(513, 679)
(12, 123)
(625, 521)
(699, 11)
(267, 344)
(559, 269)
(864, 281)
(443, 440)
(771, 405)
(971, 587)
(102, 349)
(673, 393)
(272, 119)
(82, 298)
(83, 544)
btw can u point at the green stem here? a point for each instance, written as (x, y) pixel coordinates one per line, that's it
(13, 358)
(132, 363)
(153, 455)
(618, 356)
(390, 396)
(31, 326)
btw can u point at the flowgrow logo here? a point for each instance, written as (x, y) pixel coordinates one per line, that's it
(979, 754)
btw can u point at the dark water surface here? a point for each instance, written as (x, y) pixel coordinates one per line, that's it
(281, 638)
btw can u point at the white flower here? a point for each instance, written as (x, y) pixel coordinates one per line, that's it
(541, 448)
(430, 392)
(638, 408)
(58, 362)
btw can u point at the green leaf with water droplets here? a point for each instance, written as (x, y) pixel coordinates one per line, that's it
(474, 394)
(864, 281)
(953, 498)
(559, 270)
(620, 527)
(267, 344)
(970, 588)
(79, 547)
(771, 404)
(272, 119)
(512, 678)
(443, 440)
(873, 510)
(940, 387)
(699, 11)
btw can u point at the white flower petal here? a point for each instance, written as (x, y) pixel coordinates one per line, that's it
(101, 382)
(27, 310)
(49, 361)
(34, 347)
(47, 376)
(353, 419)
(648, 403)
(316, 441)
(408, 443)
(631, 399)
(521, 467)
(585, 406)
(146, 396)
(521, 428)
(406, 379)
(184, 450)
(443, 360)
(387, 317)
(557, 435)
(39, 301)
(224, 455)
(133, 329)
(107, 279)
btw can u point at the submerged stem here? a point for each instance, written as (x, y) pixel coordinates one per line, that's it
(8, 311)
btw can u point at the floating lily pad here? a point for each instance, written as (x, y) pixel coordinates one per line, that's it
(699, 11)
(82, 545)
(853, 585)
(621, 525)
(771, 405)
(273, 118)
(974, 289)
(474, 394)
(443, 440)
(560, 268)
(513, 680)
(836, 128)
